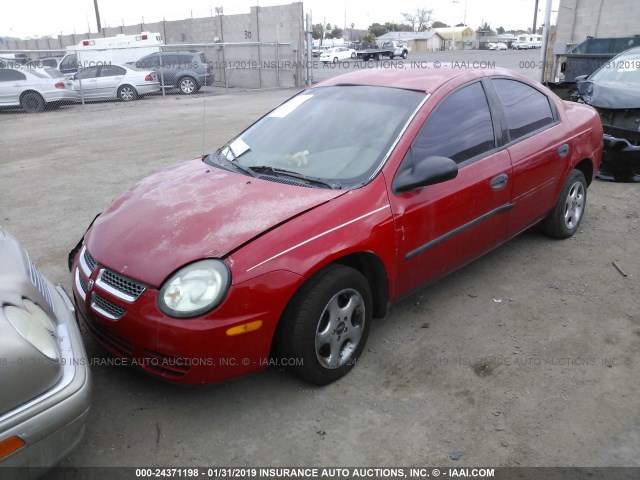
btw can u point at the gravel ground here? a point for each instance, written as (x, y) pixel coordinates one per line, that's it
(529, 356)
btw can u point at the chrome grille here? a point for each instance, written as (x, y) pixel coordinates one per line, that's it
(83, 283)
(38, 282)
(106, 308)
(90, 261)
(119, 285)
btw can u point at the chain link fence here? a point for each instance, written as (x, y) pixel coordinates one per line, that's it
(37, 80)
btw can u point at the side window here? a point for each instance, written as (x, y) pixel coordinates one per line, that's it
(11, 75)
(86, 73)
(170, 61)
(68, 62)
(525, 108)
(111, 71)
(460, 128)
(151, 61)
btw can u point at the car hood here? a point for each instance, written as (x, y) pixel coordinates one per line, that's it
(188, 212)
(613, 95)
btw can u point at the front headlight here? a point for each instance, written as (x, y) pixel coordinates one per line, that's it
(35, 326)
(195, 289)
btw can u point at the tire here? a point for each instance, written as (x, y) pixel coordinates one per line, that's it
(326, 324)
(565, 218)
(188, 86)
(405, 54)
(391, 56)
(32, 102)
(335, 59)
(127, 93)
(354, 56)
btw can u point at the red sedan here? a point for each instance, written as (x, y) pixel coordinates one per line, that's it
(280, 247)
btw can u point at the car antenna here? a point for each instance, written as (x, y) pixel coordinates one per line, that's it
(204, 111)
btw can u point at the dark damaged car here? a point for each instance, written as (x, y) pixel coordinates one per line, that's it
(614, 91)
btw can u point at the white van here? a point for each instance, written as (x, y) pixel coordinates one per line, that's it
(119, 49)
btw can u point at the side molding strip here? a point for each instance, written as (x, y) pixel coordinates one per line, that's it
(460, 229)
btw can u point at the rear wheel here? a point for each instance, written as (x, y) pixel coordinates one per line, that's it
(32, 102)
(127, 93)
(405, 54)
(188, 86)
(567, 214)
(335, 59)
(325, 327)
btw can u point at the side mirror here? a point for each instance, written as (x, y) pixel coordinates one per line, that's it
(580, 78)
(416, 173)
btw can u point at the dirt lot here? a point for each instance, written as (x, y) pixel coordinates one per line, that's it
(529, 356)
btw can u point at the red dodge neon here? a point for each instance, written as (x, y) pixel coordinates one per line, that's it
(288, 240)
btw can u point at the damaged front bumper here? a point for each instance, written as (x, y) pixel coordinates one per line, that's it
(620, 160)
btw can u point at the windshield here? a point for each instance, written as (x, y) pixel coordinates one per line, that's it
(337, 134)
(624, 68)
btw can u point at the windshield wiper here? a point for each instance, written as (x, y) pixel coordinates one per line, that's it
(223, 161)
(296, 175)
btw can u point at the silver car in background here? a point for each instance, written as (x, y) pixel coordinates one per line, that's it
(45, 382)
(114, 82)
(33, 90)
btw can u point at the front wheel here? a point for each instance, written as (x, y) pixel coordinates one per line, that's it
(335, 59)
(325, 327)
(567, 214)
(405, 54)
(354, 56)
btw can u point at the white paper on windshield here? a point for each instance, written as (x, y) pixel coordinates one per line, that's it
(284, 110)
(238, 147)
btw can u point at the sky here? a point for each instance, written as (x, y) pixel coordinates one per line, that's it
(38, 18)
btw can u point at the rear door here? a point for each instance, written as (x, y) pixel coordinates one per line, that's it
(12, 84)
(109, 80)
(441, 227)
(86, 82)
(538, 147)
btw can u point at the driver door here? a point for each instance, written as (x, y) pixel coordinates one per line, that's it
(441, 227)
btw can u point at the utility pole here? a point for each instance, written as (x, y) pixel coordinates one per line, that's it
(95, 4)
(535, 17)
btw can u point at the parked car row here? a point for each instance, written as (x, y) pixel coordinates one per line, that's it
(40, 84)
(497, 46)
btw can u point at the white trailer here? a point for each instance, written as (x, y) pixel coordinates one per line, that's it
(119, 49)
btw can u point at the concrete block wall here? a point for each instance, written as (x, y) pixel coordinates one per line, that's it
(578, 19)
(248, 66)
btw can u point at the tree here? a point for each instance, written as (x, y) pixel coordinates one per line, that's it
(335, 33)
(460, 25)
(439, 24)
(419, 20)
(370, 39)
(500, 30)
(317, 31)
(486, 28)
(377, 30)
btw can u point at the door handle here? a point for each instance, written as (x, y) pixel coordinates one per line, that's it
(563, 150)
(499, 182)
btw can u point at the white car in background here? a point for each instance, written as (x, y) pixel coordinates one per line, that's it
(501, 46)
(33, 90)
(114, 82)
(336, 54)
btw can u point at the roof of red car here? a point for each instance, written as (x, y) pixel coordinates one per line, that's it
(426, 78)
